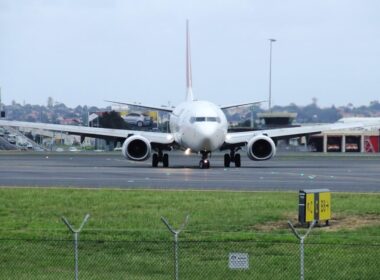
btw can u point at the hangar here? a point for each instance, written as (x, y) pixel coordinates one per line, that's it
(345, 141)
(351, 141)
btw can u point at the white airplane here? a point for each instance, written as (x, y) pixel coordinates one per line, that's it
(197, 127)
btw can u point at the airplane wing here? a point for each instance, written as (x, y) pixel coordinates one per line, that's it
(241, 105)
(153, 137)
(290, 132)
(156, 108)
(367, 120)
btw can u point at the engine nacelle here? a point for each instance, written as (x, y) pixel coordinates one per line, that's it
(261, 147)
(136, 148)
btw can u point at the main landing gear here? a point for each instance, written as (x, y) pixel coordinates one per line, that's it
(232, 157)
(204, 163)
(160, 157)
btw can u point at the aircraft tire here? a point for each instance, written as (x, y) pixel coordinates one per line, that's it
(237, 160)
(154, 160)
(204, 164)
(165, 160)
(227, 160)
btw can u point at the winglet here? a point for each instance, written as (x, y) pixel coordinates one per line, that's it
(189, 81)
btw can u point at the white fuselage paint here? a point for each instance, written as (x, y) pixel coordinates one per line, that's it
(199, 126)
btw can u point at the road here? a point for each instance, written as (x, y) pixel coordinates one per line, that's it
(286, 172)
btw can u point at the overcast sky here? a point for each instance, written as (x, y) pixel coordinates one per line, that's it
(85, 51)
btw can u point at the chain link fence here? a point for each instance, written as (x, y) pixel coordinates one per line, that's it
(54, 259)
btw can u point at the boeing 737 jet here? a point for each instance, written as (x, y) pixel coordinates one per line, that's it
(195, 126)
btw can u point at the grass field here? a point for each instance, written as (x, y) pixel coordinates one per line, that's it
(132, 214)
(125, 235)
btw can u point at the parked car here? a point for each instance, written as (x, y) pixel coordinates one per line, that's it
(138, 119)
(11, 139)
(352, 147)
(333, 148)
(22, 146)
(73, 149)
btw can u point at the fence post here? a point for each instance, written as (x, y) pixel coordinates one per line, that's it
(75, 233)
(175, 234)
(302, 239)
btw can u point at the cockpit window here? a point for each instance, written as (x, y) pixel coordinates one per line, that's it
(204, 119)
(213, 119)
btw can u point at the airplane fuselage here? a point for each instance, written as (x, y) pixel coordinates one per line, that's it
(199, 126)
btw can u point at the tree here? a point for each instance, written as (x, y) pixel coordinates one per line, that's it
(112, 120)
(314, 100)
(50, 102)
(374, 105)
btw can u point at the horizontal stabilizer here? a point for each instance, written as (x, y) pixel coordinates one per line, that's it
(155, 108)
(241, 105)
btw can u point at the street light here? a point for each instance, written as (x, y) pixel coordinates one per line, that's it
(2, 112)
(270, 73)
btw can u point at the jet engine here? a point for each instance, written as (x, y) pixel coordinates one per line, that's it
(136, 148)
(261, 147)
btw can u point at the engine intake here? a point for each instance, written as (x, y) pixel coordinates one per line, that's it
(260, 148)
(136, 148)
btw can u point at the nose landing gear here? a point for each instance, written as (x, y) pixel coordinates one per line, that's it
(204, 163)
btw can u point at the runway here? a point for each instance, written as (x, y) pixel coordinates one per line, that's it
(339, 173)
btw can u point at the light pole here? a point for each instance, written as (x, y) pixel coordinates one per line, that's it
(270, 74)
(2, 112)
(1, 106)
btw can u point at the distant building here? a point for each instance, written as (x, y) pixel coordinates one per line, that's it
(276, 120)
(71, 121)
(346, 141)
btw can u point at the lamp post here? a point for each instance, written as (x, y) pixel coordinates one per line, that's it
(2, 112)
(270, 74)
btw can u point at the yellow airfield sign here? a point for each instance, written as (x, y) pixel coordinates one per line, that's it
(315, 205)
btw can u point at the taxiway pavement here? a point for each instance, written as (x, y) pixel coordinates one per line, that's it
(339, 173)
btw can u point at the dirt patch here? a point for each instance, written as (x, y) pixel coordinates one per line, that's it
(337, 223)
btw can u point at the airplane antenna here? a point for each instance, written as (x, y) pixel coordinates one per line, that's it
(189, 79)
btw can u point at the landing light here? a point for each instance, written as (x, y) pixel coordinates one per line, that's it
(188, 151)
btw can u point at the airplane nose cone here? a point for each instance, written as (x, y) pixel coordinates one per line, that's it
(206, 144)
(208, 138)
